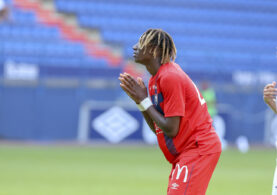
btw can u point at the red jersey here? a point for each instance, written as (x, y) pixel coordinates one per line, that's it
(173, 93)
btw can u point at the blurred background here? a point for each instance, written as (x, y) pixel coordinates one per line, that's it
(59, 67)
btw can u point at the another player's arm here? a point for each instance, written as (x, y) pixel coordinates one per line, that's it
(270, 93)
(4, 12)
(169, 125)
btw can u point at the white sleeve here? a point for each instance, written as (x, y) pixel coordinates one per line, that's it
(2, 5)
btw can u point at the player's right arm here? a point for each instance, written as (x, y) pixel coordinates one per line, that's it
(138, 93)
(149, 121)
(146, 116)
(270, 93)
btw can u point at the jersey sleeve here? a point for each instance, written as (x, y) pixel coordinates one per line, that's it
(173, 90)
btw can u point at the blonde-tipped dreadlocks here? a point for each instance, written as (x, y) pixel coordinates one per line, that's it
(159, 40)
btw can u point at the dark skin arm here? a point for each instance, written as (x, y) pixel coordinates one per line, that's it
(149, 121)
(147, 118)
(145, 115)
(137, 91)
(169, 125)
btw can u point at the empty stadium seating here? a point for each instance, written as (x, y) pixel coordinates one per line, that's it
(25, 39)
(217, 35)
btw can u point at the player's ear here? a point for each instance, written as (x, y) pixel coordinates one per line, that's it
(151, 49)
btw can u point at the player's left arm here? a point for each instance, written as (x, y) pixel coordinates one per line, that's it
(169, 125)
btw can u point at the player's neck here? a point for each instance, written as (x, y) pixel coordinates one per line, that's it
(153, 67)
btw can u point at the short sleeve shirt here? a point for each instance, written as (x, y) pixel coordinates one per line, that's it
(173, 93)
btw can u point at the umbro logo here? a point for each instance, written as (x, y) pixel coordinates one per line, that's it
(159, 131)
(174, 186)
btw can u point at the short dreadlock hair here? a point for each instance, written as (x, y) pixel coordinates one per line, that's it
(159, 40)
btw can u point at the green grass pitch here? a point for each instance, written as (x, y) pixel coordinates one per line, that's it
(121, 170)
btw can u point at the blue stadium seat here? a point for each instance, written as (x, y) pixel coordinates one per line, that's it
(216, 35)
(107, 9)
(254, 6)
(223, 34)
(29, 32)
(23, 39)
(22, 17)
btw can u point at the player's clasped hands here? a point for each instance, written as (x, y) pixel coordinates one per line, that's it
(270, 92)
(135, 89)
